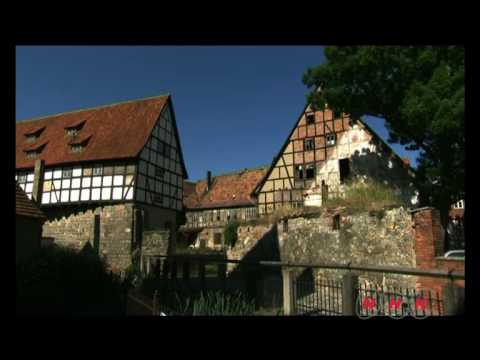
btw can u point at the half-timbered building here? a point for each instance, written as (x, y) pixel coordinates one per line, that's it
(104, 175)
(211, 203)
(322, 152)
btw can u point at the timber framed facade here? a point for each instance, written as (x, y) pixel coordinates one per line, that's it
(323, 151)
(104, 175)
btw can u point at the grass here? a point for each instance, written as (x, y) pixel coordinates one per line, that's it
(365, 196)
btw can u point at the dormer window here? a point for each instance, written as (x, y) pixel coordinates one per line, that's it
(74, 130)
(78, 145)
(32, 154)
(33, 135)
(77, 148)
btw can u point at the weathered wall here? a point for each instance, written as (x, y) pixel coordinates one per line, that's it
(75, 227)
(155, 218)
(28, 232)
(430, 248)
(362, 239)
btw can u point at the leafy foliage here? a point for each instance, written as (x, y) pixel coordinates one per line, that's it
(419, 91)
(60, 281)
(230, 233)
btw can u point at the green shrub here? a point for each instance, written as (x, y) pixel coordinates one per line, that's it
(217, 304)
(230, 233)
(365, 196)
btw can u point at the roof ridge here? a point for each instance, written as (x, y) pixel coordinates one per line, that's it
(235, 172)
(92, 108)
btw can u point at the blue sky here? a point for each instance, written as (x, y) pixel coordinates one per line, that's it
(234, 105)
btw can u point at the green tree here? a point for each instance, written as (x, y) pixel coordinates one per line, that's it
(419, 92)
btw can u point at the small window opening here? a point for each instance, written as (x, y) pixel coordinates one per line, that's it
(217, 238)
(310, 171)
(309, 144)
(299, 172)
(97, 170)
(310, 119)
(31, 154)
(77, 148)
(344, 165)
(330, 139)
(336, 222)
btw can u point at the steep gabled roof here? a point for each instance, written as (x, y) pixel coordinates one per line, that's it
(117, 131)
(228, 190)
(26, 207)
(404, 163)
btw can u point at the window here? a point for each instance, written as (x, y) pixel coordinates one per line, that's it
(310, 119)
(31, 154)
(74, 130)
(336, 222)
(310, 171)
(330, 139)
(77, 148)
(344, 165)
(157, 198)
(97, 170)
(217, 238)
(67, 173)
(309, 144)
(299, 172)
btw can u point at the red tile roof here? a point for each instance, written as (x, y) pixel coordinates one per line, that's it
(456, 213)
(229, 190)
(117, 131)
(24, 206)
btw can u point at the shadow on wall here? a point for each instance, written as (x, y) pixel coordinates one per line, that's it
(259, 278)
(381, 167)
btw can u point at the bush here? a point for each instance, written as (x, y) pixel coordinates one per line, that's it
(230, 233)
(365, 196)
(217, 304)
(60, 281)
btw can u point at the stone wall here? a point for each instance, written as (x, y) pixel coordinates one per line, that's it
(75, 227)
(363, 239)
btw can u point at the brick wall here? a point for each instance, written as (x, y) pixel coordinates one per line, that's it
(429, 248)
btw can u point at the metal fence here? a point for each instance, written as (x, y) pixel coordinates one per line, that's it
(318, 297)
(397, 302)
(182, 278)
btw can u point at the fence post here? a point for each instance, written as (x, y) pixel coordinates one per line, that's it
(155, 294)
(453, 299)
(349, 293)
(288, 292)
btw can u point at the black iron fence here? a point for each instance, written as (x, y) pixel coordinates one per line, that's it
(318, 297)
(397, 302)
(180, 279)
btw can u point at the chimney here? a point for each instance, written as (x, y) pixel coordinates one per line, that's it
(38, 181)
(209, 180)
